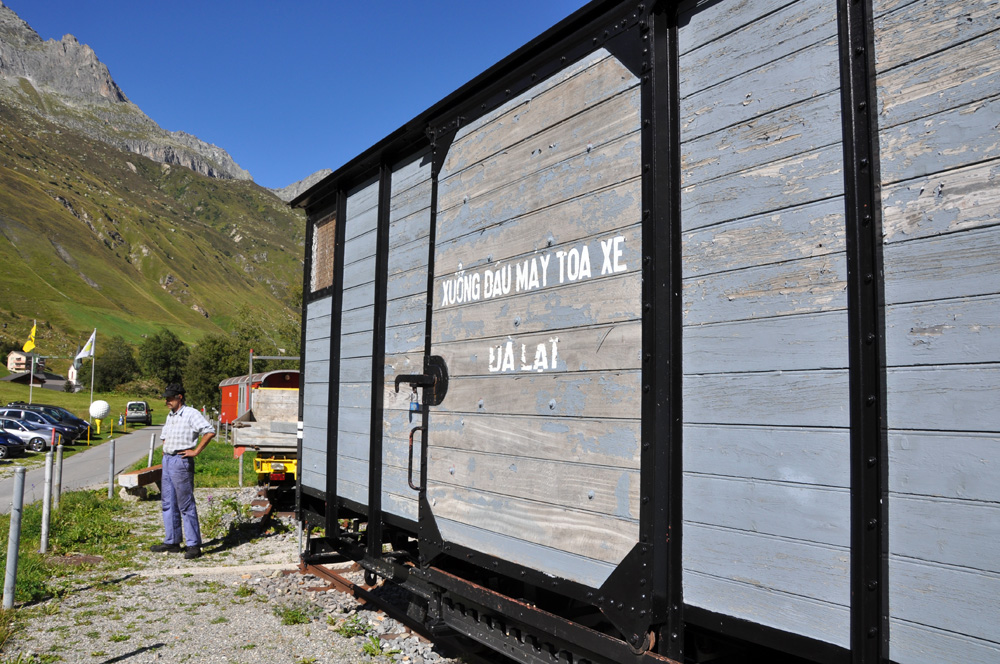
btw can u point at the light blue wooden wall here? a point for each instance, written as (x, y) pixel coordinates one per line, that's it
(406, 313)
(939, 112)
(315, 394)
(540, 465)
(356, 342)
(765, 387)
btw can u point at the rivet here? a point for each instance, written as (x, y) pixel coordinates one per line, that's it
(862, 105)
(867, 219)
(858, 50)
(872, 462)
(645, 388)
(872, 632)
(870, 339)
(869, 278)
(872, 585)
(872, 524)
(871, 399)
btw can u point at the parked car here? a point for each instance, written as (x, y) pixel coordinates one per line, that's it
(32, 436)
(68, 433)
(139, 412)
(58, 413)
(10, 446)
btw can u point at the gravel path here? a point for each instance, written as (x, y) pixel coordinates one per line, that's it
(227, 606)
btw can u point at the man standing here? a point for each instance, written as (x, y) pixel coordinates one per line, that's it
(184, 436)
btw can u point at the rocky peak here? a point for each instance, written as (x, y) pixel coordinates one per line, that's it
(70, 74)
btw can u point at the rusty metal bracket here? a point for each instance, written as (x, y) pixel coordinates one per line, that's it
(434, 380)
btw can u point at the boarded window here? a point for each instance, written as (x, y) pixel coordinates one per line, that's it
(322, 253)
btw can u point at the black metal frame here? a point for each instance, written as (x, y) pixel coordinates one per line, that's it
(333, 387)
(866, 339)
(662, 468)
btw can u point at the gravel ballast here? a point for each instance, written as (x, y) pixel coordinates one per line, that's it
(231, 605)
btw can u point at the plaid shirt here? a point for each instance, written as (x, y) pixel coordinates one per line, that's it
(184, 429)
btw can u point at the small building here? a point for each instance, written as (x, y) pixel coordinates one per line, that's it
(18, 360)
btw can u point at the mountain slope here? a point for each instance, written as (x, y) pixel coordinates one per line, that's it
(93, 236)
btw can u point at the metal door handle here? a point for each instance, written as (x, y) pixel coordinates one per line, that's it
(409, 465)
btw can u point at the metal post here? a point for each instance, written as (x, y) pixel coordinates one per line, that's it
(46, 503)
(152, 444)
(241, 470)
(111, 468)
(14, 538)
(57, 492)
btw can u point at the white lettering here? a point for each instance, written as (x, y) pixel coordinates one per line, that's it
(619, 266)
(561, 255)
(545, 269)
(541, 359)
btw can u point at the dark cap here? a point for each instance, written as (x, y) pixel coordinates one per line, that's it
(173, 390)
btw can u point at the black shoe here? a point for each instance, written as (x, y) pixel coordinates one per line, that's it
(192, 553)
(165, 548)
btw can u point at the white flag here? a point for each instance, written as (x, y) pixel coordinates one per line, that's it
(88, 348)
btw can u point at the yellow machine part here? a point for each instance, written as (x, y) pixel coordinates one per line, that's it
(269, 465)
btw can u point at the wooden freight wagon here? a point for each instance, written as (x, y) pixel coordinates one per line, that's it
(675, 335)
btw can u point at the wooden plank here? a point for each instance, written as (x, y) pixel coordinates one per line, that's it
(801, 512)
(786, 343)
(603, 212)
(806, 286)
(956, 265)
(411, 256)
(410, 203)
(790, 613)
(357, 344)
(957, 200)
(797, 455)
(953, 78)
(598, 442)
(355, 395)
(959, 331)
(789, 29)
(411, 228)
(821, 399)
(785, 183)
(353, 447)
(602, 167)
(589, 535)
(817, 571)
(924, 28)
(946, 531)
(604, 348)
(596, 301)
(359, 297)
(958, 600)
(553, 561)
(802, 127)
(405, 338)
(556, 100)
(952, 139)
(355, 420)
(703, 21)
(360, 248)
(311, 477)
(805, 231)
(357, 319)
(359, 272)
(358, 226)
(363, 198)
(599, 125)
(411, 171)
(946, 465)
(319, 308)
(811, 72)
(591, 394)
(406, 311)
(604, 491)
(955, 398)
(919, 644)
(317, 352)
(405, 284)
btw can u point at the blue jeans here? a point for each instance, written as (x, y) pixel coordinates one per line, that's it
(178, 501)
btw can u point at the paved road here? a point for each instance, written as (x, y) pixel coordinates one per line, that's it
(85, 469)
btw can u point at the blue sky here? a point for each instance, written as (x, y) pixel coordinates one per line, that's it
(289, 87)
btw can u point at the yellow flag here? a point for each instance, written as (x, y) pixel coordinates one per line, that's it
(29, 345)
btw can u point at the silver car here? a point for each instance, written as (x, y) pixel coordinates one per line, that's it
(34, 436)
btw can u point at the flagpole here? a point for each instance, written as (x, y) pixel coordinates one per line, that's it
(93, 362)
(31, 376)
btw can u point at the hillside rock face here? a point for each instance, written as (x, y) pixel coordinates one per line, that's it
(293, 190)
(65, 82)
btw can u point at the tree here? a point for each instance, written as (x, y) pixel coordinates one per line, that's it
(215, 358)
(115, 365)
(163, 357)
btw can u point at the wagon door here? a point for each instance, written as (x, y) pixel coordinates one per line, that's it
(533, 454)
